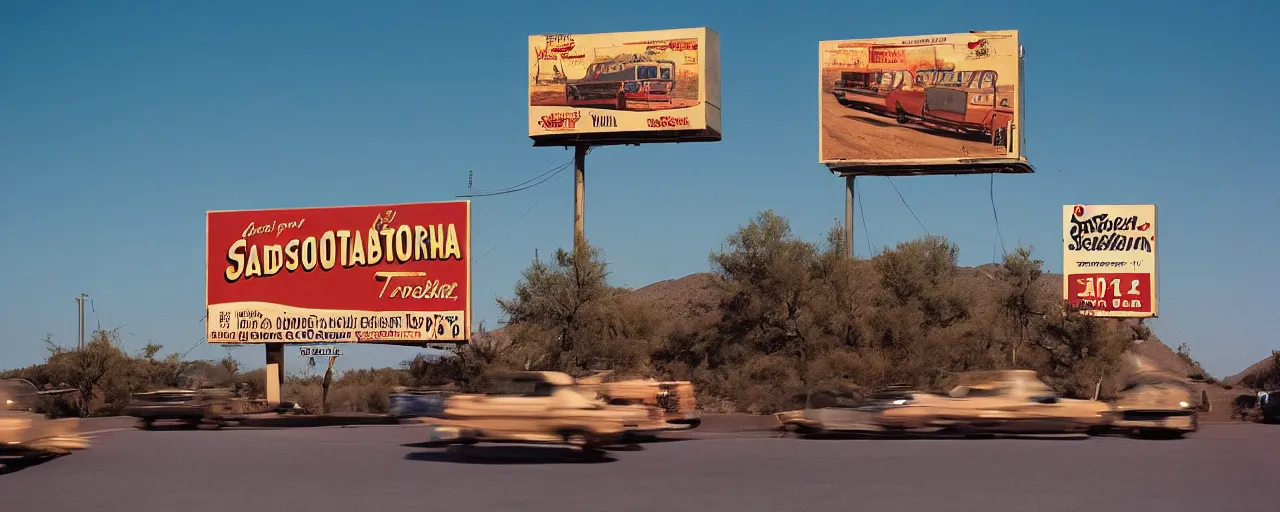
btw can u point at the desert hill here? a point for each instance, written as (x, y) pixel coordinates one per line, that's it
(689, 296)
(696, 292)
(1255, 370)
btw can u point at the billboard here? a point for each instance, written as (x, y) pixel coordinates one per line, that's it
(624, 87)
(390, 274)
(936, 104)
(1109, 260)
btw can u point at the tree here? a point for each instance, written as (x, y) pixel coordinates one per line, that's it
(1080, 350)
(566, 317)
(765, 271)
(1021, 303)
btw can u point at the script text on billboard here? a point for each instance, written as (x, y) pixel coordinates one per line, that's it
(1109, 260)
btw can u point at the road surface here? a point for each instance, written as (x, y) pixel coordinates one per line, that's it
(1227, 467)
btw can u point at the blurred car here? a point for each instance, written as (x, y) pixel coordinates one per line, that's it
(1018, 401)
(212, 407)
(23, 395)
(28, 438)
(835, 411)
(188, 406)
(542, 408)
(417, 403)
(1269, 403)
(675, 398)
(1155, 402)
(999, 402)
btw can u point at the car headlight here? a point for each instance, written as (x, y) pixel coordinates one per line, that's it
(900, 401)
(1184, 405)
(8, 402)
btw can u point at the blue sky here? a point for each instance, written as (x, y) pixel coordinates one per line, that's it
(121, 123)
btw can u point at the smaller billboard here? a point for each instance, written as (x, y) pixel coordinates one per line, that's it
(934, 104)
(624, 87)
(390, 274)
(1109, 260)
(319, 351)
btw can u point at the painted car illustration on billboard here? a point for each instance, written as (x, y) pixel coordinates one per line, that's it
(624, 87)
(626, 82)
(964, 101)
(867, 90)
(942, 103)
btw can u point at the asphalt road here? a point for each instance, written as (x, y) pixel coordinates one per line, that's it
(1222, 467)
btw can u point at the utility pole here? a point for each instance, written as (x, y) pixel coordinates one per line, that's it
(579, 195)
(848, 216)
(80, 303)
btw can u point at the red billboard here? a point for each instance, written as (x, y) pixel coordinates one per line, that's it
(391, 274)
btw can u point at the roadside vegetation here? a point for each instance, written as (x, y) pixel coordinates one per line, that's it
(777, 317)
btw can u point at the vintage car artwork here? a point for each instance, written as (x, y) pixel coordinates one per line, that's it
(964, 101)
(626, 82)
(867, 90)
(956, 98)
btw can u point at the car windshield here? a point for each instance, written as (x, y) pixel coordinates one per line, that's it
(16, 387)
(522, 387)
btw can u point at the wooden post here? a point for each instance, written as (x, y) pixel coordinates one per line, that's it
(324, 388)
(275, 372)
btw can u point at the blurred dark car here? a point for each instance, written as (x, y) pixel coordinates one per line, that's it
(1270, 406)
(184, 405)
(416, 403)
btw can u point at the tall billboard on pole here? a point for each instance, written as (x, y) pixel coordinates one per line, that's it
(388, 274)
(624, 87)
(935, 104)
(1109, 260)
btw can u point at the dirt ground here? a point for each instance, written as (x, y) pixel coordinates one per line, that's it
(848, 133)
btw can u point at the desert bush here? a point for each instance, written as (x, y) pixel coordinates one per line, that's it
(104, 376)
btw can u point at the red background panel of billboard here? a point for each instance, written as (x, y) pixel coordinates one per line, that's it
(437, 255)
(1103, 291)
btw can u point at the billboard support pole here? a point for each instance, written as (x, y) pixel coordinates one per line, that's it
(275, 372)
(579, 195)
(848, 216)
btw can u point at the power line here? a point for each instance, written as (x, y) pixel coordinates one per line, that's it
(526, 187)
(904, 202)
(532, 182)
(996, 215)
(863, 214)
(517, 223)
(193, 347)
(95, 313)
